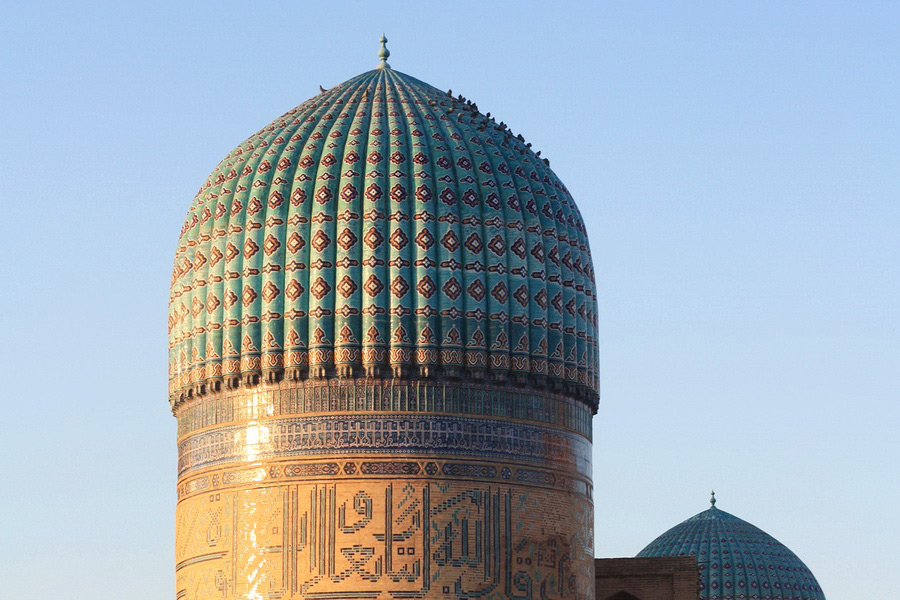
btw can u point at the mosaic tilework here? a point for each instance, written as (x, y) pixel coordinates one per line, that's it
(399, 539)
(383, 226)
(388, 434)
(737, 560)
(378, 504)
(350, 470)
(354, 396)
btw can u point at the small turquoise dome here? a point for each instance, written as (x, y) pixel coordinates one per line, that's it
(737, 560)
(383, 229)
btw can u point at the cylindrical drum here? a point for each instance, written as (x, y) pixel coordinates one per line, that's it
(384, 489)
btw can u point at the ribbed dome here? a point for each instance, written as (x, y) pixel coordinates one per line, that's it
(383, 228)
(737, 560)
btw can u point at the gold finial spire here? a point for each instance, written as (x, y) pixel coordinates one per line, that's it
(383, 54)
(712, 498)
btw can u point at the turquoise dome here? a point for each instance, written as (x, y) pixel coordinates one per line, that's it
(737, 560)
(383, 229)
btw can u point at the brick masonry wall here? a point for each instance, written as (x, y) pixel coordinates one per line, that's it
(664, 578)
(311, 493)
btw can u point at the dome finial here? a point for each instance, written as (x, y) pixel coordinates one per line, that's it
(383, 54)
(712, 498)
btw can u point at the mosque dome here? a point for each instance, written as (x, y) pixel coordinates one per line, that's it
(383, 228)
(736, 559)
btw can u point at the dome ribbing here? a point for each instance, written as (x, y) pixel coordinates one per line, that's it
(737, 560)
(383, 228)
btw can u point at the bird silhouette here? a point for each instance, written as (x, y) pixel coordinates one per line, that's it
(321, 89)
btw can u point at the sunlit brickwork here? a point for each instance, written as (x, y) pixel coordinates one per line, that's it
(405, 504)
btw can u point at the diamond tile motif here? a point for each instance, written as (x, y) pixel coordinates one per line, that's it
(443, 209)
(271, 245)
(399, 286)
(450, 241)
(426, 287)
(293, 289)
(346, 287)
(320, 288)
(452, 288)
(399, 239)
(424, 239)
(474, 244)
(321, 240)
(373, 238)
(373, 286)
(476, 290)
(347, 239)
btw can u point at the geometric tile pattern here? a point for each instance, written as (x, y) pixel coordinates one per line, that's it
(362, 396)
(385, 435)
(383, 228)
(393, 539)
(737, 560)
(380, 493)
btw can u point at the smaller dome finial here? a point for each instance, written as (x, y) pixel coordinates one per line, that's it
(383, 54)
(712, 498)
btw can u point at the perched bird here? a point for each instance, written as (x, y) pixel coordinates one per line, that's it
(538, 154)
(450, 93)
(321, 89)
(520, 138)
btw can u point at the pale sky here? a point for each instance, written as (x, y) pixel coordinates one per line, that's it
(737, 166)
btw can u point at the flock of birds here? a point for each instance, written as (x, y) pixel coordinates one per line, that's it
(468, 105)
(487, 121)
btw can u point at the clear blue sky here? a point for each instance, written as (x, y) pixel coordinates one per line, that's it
(738, 167)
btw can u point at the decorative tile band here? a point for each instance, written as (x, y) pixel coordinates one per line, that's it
(309, 397)
(274, 473)
(387, 539)
(407, 434)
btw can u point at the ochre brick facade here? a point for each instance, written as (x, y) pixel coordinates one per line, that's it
(302, 490)
(670, 578)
